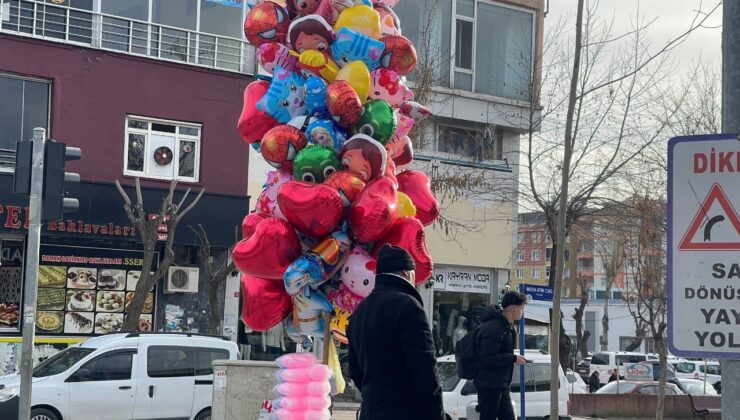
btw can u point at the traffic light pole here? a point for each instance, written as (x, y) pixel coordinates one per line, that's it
(31, 272)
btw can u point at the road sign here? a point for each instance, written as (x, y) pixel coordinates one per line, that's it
(538, 295)
(703, 245)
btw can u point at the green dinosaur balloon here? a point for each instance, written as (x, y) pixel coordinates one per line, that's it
(314, 163)
(377, 121)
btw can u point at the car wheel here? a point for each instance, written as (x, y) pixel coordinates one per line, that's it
(204, 415)
(43, 414)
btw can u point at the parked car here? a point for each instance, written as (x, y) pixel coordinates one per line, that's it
(697, 387)
(584, 368)
(606, 362)
(696, 369)
(628, 387)
(576, 384)
(458, 393)
(123, 377)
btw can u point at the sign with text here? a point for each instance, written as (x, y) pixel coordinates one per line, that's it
(462, 279)
(637, 372)
(703, 245)
(538, 295)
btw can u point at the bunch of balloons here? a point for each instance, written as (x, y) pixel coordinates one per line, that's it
(332, 118)
(302, 392)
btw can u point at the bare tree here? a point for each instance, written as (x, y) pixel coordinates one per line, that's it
(609, 243)
(218, 268)
(582, 336)
(170, 213)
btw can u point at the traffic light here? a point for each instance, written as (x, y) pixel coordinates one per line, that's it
(56, 155)
(22, 174)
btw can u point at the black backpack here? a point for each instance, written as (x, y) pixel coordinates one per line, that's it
(466, 355)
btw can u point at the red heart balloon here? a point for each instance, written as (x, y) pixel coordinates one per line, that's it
(253, 123)
(390, 171)
(250, 222)
(416, 185)
(312, 209)
(408, 233)
(265, 302)
(271, 248)
(374, 210)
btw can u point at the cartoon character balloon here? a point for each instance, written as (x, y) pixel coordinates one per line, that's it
(351, 46)
(388, 86)
(315, 163)
(364, 156)
(286, 97)
(310, 33)
(266, 22)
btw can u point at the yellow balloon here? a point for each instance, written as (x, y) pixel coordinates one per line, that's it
(358, 76)
(363, 19)
(405, 207)
(318, 64)
(338, 325)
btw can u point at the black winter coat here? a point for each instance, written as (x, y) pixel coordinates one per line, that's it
(496, 358)
(391, 354)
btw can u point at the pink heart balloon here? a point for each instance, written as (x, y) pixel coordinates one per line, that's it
(312, 209)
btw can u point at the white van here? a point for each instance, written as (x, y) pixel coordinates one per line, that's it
(123, 377)
(698, 369)
(460, 394)
(605, 362)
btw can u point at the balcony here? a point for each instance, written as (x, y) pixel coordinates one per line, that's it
(87, 28)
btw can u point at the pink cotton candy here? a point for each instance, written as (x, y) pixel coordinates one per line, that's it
(296, 360)
(307, 374)
(283, 414)
(304, 403)
(294, 389)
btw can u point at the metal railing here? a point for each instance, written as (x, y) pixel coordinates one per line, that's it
(114, 33)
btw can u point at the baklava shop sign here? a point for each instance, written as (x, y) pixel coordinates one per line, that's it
(13, 217)
(462, 279)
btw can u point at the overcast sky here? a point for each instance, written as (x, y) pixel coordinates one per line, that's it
(673, 18)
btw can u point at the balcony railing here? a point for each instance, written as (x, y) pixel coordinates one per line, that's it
(114, 33)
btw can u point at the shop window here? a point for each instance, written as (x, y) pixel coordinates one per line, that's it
(520, 273)
(520, 256)
(11, 283)
(535, 273)
(454, 314)
(536, 255)
(162, 149)
(25, 106)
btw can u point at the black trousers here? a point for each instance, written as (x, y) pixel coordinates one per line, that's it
(495, 404)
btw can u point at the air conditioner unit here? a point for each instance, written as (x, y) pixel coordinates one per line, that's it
(182, 280)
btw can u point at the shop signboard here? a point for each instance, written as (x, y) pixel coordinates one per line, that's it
(638, 372)
(439, 277)
(85, 291)
(462, 279)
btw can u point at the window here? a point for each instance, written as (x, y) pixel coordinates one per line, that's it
(162, 149)
(520, 238)
(536, 255)
(416, 20)
(448, 377)
(169, 361)
(61, 361)
(650, 390)
(535, 273)
(685, 367)
(536, 375)
(108, 367)
(520, 273)
(600, 359)
(536, 237)
(24, 106)
(520, 255)
(711, 369)
(548, 254)
(547, 273)
(629, 359)
(204, 358)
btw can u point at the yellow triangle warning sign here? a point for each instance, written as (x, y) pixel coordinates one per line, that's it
(690, 242)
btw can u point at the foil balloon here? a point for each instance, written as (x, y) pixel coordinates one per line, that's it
(415, 110)
(352, 46)
(314, 163)
(253, 123)
(390, 171)
(314, 210)
(338, 325)
(303, 7)
(388, 86)
(343, 103)
(331, 9)
(399, 54)
(266, 204)
(319, 64)
(325, 133)
(358, 76)
(405, 124)
(317, 265)
(378, 121)
(389, 3)
(271, 248)
(408, 233)
(265, 302)
(316, 97)
(274, 54)
(307, 319)
(389, 23)
(364, 156)
(358, 273)
(285, 99)
(347, 183)
(416, 185)
(250, 222)
(400, 150)
(310, 32)
(374, 211)
(266, 22)
(362, 19)
(280, 146)
(406, 207)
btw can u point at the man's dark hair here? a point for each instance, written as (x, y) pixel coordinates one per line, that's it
(513, 298)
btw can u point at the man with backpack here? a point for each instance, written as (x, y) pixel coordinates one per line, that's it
(486, 355)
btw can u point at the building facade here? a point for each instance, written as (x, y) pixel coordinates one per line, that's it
(148, 89)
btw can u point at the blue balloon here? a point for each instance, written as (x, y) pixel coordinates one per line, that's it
(316, 97)
(317, 265)
(307, 318)
(325, 133)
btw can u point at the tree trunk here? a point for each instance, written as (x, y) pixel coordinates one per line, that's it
(581, 335)
(214, 321)
(605, 324)
(143, 287)
(660, 343)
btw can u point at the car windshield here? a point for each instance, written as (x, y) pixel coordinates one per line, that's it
(698, 388)
(611, 387)
(61, 361)
(448, 376)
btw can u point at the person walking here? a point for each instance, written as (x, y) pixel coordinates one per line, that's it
(496, 358)
(614, 376)
(391, 352)
(593, 382)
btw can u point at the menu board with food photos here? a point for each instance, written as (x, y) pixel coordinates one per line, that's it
(11, 283)
(85, 291)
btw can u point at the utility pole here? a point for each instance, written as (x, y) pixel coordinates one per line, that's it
(731, 124)
(31, 272)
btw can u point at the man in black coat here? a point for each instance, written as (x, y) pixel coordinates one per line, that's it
(496, 358)
(391, 353)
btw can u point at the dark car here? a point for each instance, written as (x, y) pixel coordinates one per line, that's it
(648, 388)
(584, 368)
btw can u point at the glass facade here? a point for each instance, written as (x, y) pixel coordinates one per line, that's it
(455, 313)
